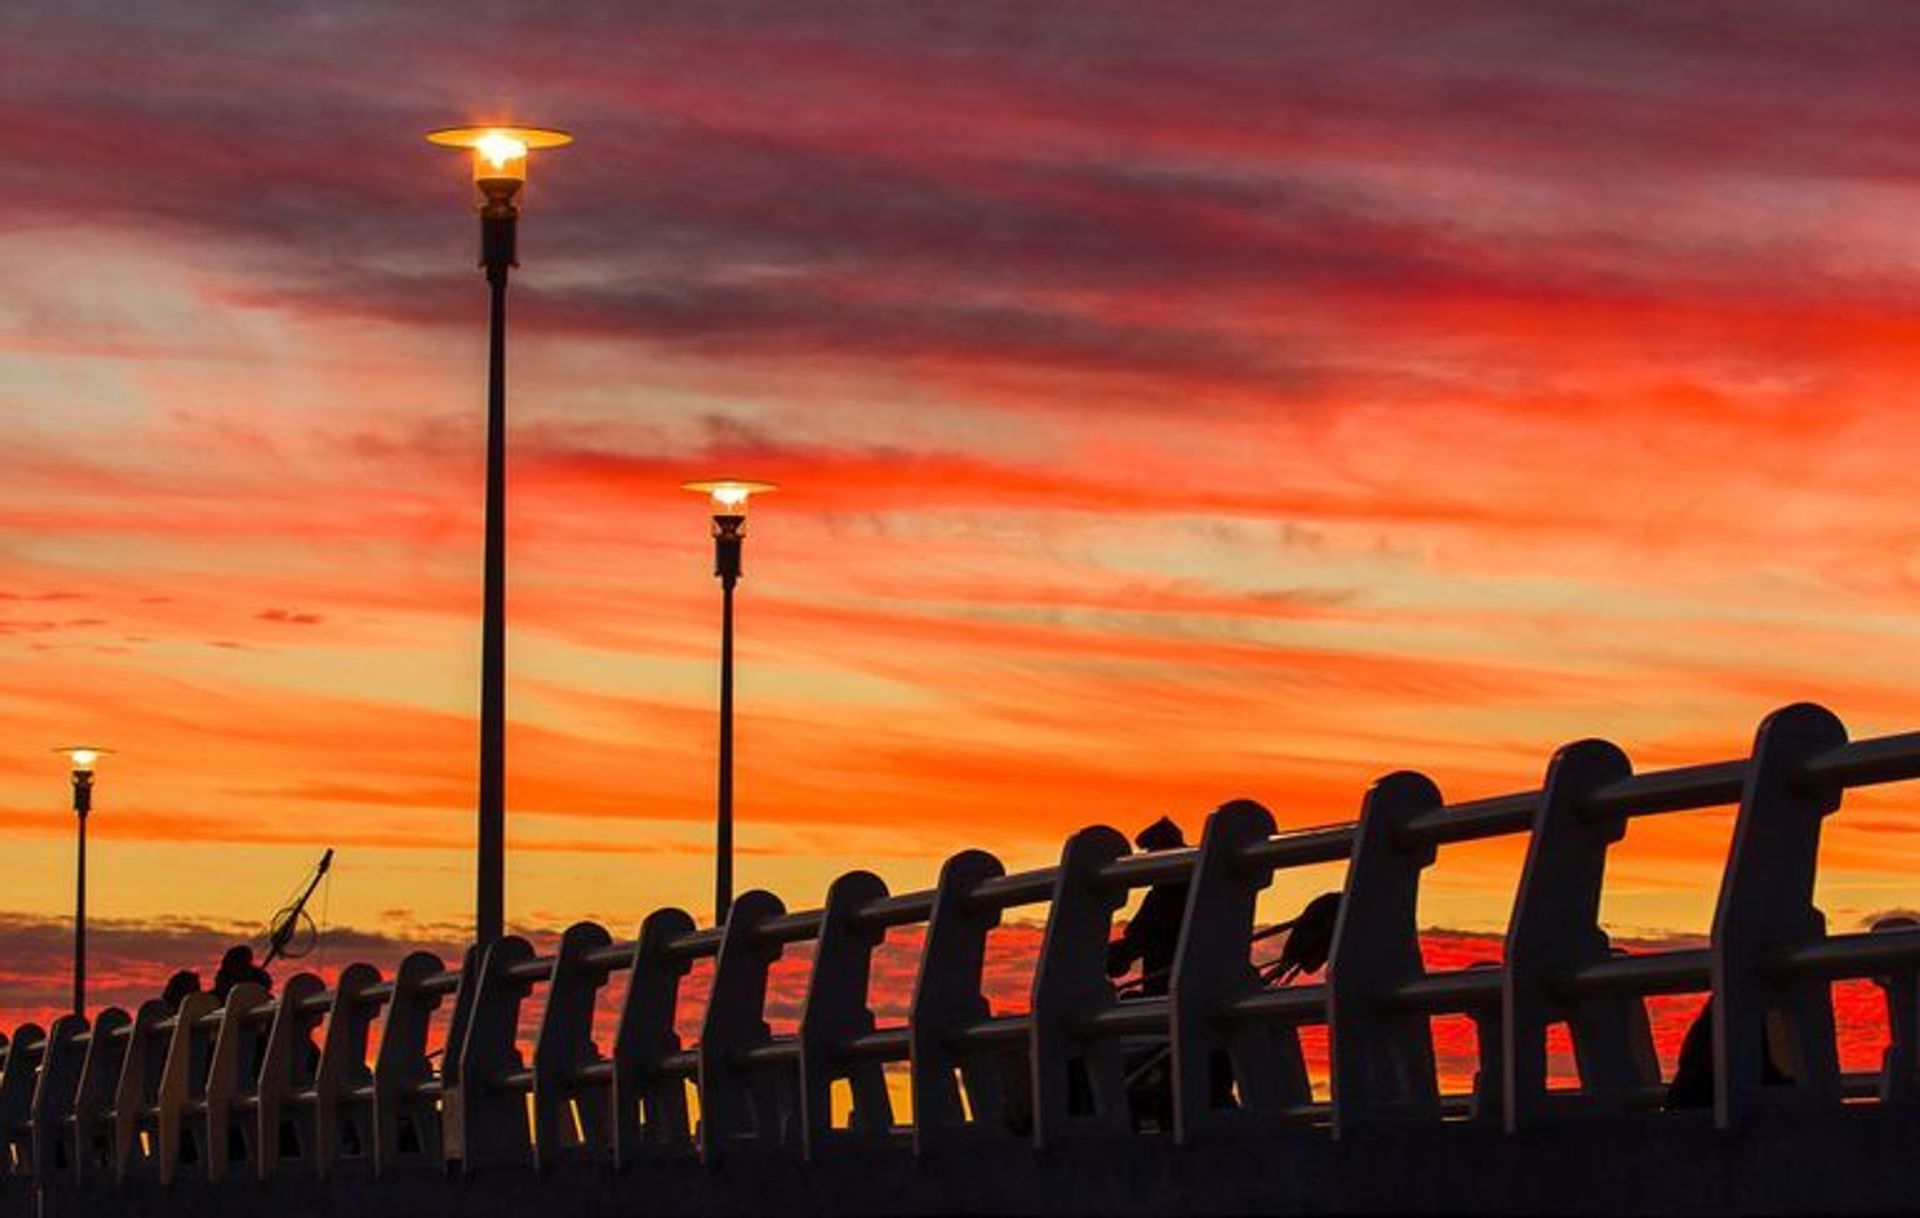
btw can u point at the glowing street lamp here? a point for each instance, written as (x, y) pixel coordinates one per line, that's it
(81, 759)
(727, 498)
(499, 170)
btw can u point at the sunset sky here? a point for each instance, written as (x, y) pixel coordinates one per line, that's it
(1172, 402)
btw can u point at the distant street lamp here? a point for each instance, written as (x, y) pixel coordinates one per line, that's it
(499, 170)
(727, 498)
(81, 758)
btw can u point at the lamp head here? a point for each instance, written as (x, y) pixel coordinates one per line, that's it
(81, 758)
(727, 497)
(499, 153)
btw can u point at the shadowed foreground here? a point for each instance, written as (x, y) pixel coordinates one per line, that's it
(1852, 1161)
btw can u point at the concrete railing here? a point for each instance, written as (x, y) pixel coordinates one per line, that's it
(318, 1081)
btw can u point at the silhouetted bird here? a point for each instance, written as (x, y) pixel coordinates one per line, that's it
(237, 966)
(1309, 940)
(182, 983)
(1692, 1085)
(1153, 934)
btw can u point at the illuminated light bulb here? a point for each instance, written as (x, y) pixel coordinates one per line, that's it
(499, 156)
(83, 757)
(499, 153)
(728, 496)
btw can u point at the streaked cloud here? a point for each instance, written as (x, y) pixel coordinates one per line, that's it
(1170, 404)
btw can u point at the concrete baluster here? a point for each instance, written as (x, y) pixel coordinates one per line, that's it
(1079, 1080)
(1490, 1047)
(835, 1014)
(741, 1105)
(1766, 906)
(484, 1124)
(650, 1103)
(138, 1089)
(956, 1091)
(342, 1119)
(50, 1113)
(283, 1132)
(1900, 1063)
(93, 1098)
(407, 1123)
(232, 1076)
(17, 1078)
(1382, 1056)
(467, 989)
(1212, 968)
(1555, 929)
(563, 1047)
(183, 1085)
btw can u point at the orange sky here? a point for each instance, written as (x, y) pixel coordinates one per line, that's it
(1170, 406)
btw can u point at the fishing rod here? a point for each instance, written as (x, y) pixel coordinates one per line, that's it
(294, 917)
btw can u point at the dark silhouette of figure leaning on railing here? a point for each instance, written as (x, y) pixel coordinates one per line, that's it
(1152, 935)
(1692, 1085)
(238, 966)
(182, 983)
(1309, 940)
(1151, 938)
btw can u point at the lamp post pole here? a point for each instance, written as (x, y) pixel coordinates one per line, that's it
(499, 221)
(82, 804)
(500, 170)
(728, 498)
(726, 565)
(81, 759)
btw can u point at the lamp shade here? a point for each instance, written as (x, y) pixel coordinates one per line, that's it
(83, 757)
(729, 496)
(499, 153)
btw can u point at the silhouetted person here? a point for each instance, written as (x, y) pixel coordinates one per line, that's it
(235, 967)
(1154, 933)
(1692, 1085)
(182, 983)
(1152, 937)
(1309, 940)
(1309, 943)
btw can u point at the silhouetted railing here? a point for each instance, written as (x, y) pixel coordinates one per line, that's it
(318, 1080)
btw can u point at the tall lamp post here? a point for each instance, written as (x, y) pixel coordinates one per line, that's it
(727, 498)
(81, 759)
(499, 170)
